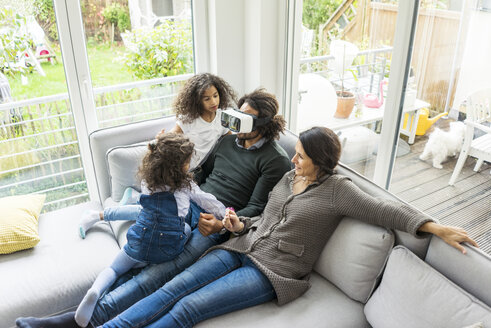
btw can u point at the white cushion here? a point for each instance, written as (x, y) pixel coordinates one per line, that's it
(354, 257)
(122, 164)
(413, 294)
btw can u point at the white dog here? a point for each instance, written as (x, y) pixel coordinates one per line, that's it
(442, 144)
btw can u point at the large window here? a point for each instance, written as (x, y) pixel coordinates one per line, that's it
(124, 61)
(410, 67)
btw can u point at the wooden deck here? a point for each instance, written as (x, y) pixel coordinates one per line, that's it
(467, 204)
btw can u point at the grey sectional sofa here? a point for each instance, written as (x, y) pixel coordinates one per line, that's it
(366, 276)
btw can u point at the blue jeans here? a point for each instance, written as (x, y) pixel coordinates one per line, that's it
(221, 282)
(130, 289)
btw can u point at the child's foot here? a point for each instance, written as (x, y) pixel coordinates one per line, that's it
(89, 218)
(130, 197)
(86, 308)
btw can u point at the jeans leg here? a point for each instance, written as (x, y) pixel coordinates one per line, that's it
(151, 278)
(125, 212)
(214, 265)
(243, 287)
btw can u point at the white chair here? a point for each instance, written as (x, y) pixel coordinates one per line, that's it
(478, 111)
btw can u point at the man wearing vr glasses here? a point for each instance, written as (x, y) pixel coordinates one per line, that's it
(246, 166)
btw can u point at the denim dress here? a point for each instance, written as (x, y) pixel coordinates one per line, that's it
(159, 233)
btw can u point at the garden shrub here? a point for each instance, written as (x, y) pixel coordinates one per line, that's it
(165, 50)
(14, 41)
(117, 15)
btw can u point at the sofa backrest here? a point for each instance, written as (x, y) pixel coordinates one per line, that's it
(104, 139)
(107, 138)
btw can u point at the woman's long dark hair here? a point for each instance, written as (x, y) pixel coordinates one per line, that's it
(322, 145)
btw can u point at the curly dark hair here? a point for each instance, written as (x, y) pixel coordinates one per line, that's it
(322, 145)
(164, 161)
(188, 104)
(267, 106)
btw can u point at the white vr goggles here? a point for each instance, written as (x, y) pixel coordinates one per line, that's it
(240, 122)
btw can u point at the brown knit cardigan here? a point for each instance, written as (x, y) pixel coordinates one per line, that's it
(287, 238)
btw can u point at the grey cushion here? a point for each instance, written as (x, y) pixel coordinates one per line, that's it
(55, 275)
(104, 139)
(471, 271)
(122, 164)
(323, 305)
(354, 257)
(413, 294)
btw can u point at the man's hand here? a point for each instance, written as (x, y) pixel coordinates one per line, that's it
(208, 224)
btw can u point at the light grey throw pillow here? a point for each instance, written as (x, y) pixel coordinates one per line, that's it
(354, 257)
(413, 295)
(122, 163)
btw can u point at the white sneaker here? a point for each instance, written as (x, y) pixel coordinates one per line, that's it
(130, 197)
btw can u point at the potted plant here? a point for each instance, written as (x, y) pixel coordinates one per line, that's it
(344, 53)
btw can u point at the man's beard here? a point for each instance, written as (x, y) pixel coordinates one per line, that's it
(248, 136)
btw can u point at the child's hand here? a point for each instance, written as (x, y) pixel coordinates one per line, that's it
(160, 133)
(231, 221)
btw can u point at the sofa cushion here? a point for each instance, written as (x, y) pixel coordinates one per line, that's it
(55, 275)
(476, 278)
(323, 305)
(413, 294)
(122, 164)
(19, 222)
(354, 257)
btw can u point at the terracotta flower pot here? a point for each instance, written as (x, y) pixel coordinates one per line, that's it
(346, 102)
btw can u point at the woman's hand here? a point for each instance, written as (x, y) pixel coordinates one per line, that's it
(231, 221)
(453, 236)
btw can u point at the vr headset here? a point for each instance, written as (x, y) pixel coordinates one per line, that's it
(240, 122)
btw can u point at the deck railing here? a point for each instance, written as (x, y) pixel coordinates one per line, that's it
(39, 151)
(369, 67)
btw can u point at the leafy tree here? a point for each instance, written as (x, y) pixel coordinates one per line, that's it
(118, 16)
(163, 51)
(315, 14)
(45, 16)
(14, 41)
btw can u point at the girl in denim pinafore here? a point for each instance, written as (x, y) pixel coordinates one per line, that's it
(159, 234)
(160, 231)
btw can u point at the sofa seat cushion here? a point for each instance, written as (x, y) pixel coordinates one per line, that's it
(412, 295)
(323, 305)
(54, 276)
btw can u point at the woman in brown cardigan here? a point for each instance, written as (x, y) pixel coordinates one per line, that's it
(275, 251)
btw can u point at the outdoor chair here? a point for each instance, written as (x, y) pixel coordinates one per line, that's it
(478, 112)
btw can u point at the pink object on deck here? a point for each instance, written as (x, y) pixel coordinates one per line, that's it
(371, 100)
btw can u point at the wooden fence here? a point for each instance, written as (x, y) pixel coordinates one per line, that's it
(434, 46)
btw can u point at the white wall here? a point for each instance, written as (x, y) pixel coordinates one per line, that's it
(244, 42)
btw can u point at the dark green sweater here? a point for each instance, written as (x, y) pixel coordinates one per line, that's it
(243, 178)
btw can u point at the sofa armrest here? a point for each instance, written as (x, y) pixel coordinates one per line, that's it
(471, 271)
(104, 139)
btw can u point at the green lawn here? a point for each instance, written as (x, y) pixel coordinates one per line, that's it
(106, 66)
